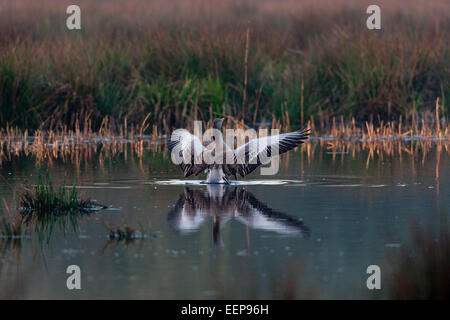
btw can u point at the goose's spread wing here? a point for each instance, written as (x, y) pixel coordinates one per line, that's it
(257, 215)
(257, 151)
(189, 149)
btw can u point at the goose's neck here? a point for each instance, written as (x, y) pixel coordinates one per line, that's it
(219, 140)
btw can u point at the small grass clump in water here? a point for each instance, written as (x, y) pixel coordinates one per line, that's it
(45, 206)
(43, 199)
(123, 233)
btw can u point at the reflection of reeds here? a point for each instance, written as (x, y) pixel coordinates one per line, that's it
(294, 285)
(288, 282)
(11, 231)
(340, 138)
(422, 269)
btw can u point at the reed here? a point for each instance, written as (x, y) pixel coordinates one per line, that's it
(114, 138)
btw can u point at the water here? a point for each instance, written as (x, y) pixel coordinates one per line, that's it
(310, 231)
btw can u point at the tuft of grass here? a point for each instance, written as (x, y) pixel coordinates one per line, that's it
(45, 206)
(43, 200)
(123, 235)
(125, 232)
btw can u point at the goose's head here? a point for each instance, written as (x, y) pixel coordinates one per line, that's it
(218, 122)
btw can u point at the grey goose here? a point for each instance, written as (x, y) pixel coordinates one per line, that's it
(244, 159)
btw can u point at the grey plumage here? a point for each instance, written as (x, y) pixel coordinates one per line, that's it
(245, 159)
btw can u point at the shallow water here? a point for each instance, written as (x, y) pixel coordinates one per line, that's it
(310, 231)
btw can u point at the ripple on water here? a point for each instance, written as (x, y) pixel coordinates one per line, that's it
(178, 182)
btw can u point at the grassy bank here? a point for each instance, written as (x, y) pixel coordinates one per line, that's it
(184, 60)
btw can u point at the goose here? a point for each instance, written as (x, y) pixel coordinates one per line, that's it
(224, 203)
(244, 159)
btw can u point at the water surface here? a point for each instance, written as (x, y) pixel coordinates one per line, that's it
(308, 232)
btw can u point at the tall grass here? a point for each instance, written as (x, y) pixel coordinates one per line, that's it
(192, 60)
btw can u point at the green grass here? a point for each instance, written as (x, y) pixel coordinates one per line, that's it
(44, 206)
(43, 199)
(184, 62)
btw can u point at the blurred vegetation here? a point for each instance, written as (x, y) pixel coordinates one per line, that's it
(421, 269)
(184, 60)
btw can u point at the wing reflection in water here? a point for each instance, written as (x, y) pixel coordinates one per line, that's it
(223, 203)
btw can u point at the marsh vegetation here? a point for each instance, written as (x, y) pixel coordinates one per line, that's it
(254, 60)
(94, 108)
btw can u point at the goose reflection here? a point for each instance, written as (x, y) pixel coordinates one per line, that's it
(223, 203)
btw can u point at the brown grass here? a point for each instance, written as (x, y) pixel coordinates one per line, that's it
(186, 60)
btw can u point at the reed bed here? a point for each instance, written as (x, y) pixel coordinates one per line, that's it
(113, 138)
(255, 60)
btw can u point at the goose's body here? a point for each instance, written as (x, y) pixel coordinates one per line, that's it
(216, 175)
(244, 159)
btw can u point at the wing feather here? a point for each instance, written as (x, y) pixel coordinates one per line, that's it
(254, 153)
(190, 150)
